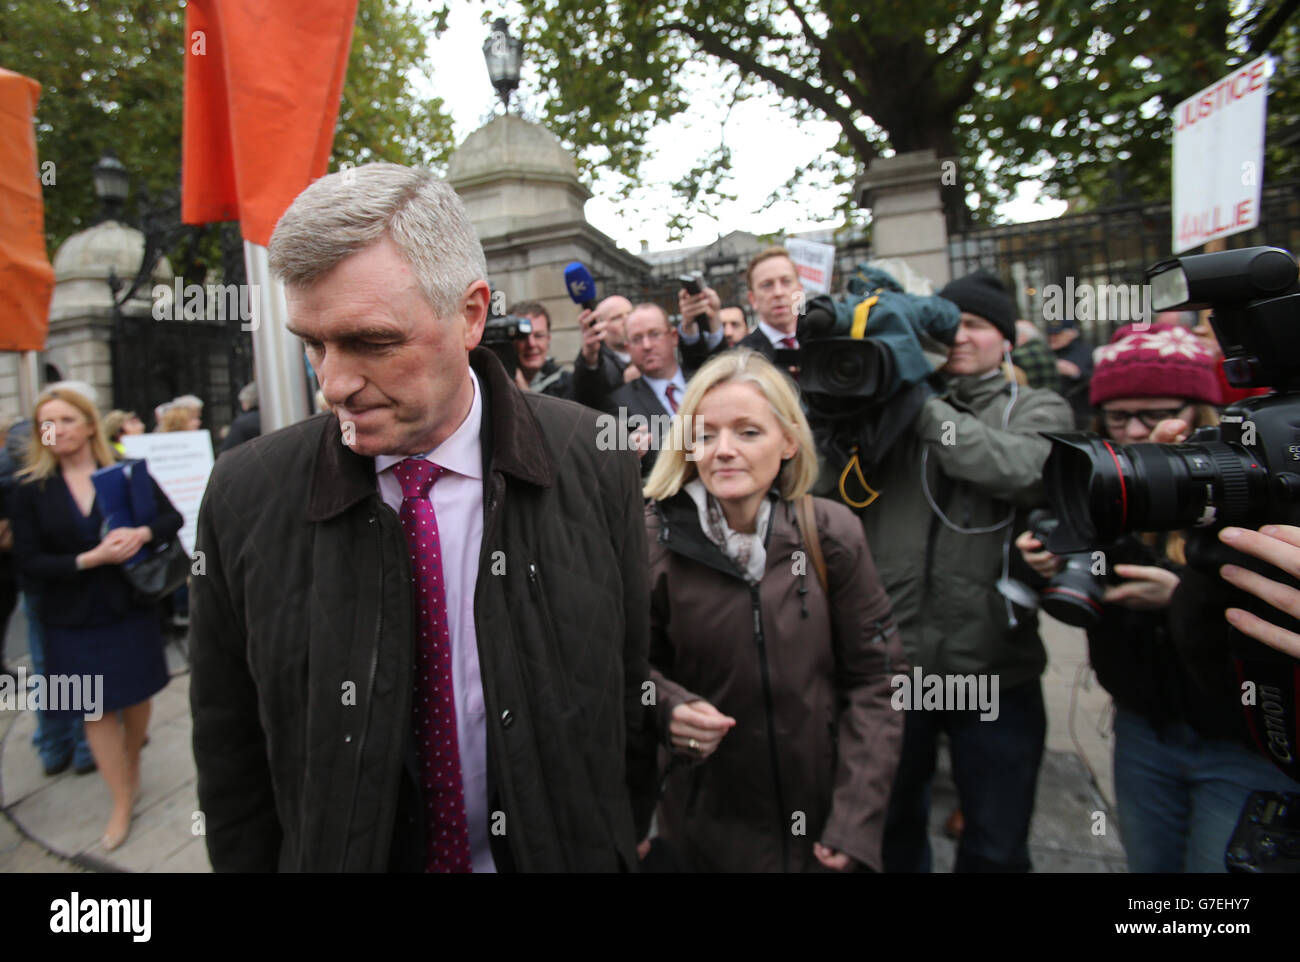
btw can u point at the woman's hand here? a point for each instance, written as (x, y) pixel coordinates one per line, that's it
(1145, 587)
(1279, 545)
(1170, 431)
(1041, 560)
(118, 546)
(127, 541)
(833, 860)
(697, 728)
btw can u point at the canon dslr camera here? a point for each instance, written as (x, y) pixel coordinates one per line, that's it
(1244, 472)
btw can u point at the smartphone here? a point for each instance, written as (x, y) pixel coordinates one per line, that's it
(691, 282)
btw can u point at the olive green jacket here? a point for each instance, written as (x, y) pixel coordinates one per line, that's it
(943, 584)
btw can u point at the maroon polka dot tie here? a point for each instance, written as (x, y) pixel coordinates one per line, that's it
(446, 827)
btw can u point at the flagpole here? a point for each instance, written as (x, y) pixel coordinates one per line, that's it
(29, 380)
(277, 355)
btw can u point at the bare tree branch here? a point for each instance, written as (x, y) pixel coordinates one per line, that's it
(791, 86)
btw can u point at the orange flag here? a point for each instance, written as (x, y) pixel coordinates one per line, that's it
(26, 277)
(262, 88)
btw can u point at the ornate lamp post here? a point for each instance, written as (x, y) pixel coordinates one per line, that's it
(503, 54)
(112, 183)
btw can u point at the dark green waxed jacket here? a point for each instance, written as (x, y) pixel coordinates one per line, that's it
(306, 591)
(943, 584)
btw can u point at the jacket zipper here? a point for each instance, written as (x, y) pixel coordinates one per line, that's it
(370, 692)
(782, 828)
(548, 629)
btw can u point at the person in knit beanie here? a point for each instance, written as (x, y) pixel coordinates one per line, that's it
(983, 295)
(939, 508)
(1151, 373)
(1183, 769)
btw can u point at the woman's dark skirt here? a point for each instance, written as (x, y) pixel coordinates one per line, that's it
(127, 653)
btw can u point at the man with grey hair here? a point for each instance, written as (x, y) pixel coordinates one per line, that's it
(420, 641)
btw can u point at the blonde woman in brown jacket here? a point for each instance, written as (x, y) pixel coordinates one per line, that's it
(772, 694)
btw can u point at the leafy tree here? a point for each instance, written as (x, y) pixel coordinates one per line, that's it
(1057, 89)
(112, 75)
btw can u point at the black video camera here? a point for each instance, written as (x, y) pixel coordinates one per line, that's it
(841, 371)
(1244, 472)
(499, 336)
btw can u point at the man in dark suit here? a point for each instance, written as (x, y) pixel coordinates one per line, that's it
(775, 294)
(657, 393)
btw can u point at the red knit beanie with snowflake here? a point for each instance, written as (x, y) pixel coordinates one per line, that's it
(1154, 360)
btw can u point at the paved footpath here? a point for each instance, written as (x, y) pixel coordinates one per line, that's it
(54, 824)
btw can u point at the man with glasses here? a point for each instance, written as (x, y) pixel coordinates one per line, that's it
(537, 371)
(656, 394)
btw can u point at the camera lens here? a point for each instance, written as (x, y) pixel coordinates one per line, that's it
(847, 371)
(843, 367)
(1101, 490)
(1073, 597)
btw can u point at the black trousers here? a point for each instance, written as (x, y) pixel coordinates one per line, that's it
(995, 765)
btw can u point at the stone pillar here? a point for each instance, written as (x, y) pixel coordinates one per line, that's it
(907, 218)
(523, 196)
(80, 340)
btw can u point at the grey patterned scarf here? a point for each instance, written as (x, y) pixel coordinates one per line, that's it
(746, 550)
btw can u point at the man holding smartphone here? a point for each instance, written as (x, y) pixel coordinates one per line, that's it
(604, 363)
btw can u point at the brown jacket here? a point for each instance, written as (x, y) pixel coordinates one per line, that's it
(816, 743)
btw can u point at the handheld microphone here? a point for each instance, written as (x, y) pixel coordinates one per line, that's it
(581, 285)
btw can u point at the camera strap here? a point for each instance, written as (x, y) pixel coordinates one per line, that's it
(855, 465)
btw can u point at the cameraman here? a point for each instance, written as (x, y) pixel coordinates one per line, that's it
(1181, 772)
(950, 489)
(536, 369)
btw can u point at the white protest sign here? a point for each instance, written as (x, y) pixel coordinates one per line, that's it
(180, 461)
(815, 263)
(1219, 157)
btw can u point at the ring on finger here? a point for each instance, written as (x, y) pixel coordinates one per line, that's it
(693, 745)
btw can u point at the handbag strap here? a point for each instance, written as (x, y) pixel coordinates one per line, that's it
(803, 513)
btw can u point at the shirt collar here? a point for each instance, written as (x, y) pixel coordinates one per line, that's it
(462, 453)
(659, 383)
(772, 334)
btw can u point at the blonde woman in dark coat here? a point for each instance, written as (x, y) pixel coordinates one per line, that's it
(772, 694)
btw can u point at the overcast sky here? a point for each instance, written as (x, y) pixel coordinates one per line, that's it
(766, 146)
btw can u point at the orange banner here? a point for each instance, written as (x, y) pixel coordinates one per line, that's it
(26, 277)
(262, 88)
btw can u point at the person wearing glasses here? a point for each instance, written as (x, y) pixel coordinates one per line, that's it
(647, 403)
(1182, 767)
(537, 370)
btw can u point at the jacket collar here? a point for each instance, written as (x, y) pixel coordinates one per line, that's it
(680, 532)
(512, 444)
(978, 390)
